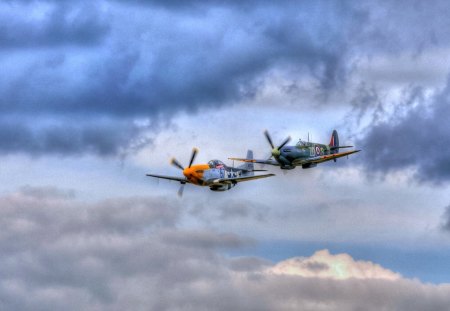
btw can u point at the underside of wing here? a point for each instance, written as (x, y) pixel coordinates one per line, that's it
(270, 162)
(338, 147)
(240, 179)
(329, 157)
(179, 179)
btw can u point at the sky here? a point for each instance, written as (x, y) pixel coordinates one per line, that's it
(95, 94)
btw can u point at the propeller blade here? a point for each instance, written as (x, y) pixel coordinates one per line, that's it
(266, 133)
(180, 191)
(175, 163)
(284, 142)
(194, 154)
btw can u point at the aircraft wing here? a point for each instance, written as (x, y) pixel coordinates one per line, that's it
(328, 157)
(239, 179)
(269, 161)
(339, 147)
(180, 179)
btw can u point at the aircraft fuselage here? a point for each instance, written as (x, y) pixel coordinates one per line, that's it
(289, 155)
(204, 174)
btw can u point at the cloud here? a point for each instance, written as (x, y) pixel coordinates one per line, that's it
(322, 264)
(98, 138)
(230, 210)
(50, 25)
(418, 123)
(60, 252)
(204, 239)
(96, 65)
(446, 219)
(77, 76)
(46, 192)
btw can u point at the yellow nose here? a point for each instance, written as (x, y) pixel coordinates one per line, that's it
(195, 173)
(191, 175)
(188, 172)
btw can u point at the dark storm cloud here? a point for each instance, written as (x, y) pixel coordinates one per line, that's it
(65, 60)
(61, 25)
(187, 67)
(99, 139)
(61, 253)
(156, 64)
(415, 137)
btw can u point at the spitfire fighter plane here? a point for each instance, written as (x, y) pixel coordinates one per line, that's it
(304, 154)
(215, 174)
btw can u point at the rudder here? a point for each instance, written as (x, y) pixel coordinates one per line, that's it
(248, 166)
(334, 142)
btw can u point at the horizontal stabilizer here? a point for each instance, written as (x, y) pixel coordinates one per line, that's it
(271, 162)
(243, 160)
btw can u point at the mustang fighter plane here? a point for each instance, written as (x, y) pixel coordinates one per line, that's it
(304, 154)
(215, 174)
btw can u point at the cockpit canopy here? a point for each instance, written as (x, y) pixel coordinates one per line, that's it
(216, 164)
(301, 143)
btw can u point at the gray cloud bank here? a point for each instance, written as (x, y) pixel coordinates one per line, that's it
(65, 61)
(418, 139)
(129, 253)
(90, 61)
(61, 26)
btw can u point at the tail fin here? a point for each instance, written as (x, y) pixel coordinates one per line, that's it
(248, 166)
(334, 142)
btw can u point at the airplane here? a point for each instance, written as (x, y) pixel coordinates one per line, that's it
(215, 174)
(304, 154)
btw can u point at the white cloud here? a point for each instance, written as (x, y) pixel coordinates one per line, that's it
(322, 264)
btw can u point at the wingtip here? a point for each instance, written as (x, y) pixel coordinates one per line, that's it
(268, 175)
